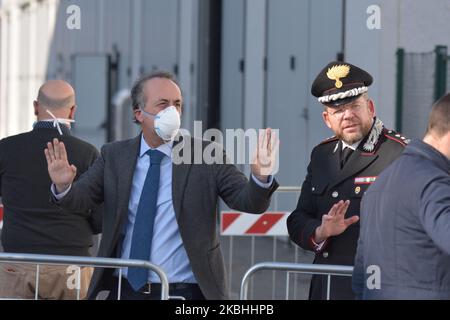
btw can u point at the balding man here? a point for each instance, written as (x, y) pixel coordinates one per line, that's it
(31, 223)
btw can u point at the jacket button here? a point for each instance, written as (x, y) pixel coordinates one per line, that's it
(335, 194)
(325, 254)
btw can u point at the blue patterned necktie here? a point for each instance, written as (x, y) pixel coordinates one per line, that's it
(141, 242)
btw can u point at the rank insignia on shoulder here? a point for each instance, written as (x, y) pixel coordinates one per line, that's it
(395, 136)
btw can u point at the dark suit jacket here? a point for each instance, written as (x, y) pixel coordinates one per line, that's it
(195, 193)
(325, 185)
(405, 229)
(31, 223)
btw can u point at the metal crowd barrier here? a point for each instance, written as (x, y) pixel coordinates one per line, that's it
(295, 191)
(86, 262)
(304, 268)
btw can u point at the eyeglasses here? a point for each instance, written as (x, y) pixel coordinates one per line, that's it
(355, 108)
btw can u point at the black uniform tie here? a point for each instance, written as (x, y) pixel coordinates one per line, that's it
(346, 153)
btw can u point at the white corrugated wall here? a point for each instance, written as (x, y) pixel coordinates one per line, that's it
(37, 45)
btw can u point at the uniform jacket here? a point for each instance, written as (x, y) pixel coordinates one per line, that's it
(325, 185)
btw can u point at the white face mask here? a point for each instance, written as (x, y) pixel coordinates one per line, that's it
(167, 122)
(57, 121)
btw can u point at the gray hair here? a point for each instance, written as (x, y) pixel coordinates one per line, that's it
(138, 98)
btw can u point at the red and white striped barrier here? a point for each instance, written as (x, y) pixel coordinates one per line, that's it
(234, 223)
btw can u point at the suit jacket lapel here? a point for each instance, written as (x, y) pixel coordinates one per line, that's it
(127, 165)
(180, 173)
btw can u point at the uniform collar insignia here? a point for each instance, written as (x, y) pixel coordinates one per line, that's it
(374, 136)
(336, 147)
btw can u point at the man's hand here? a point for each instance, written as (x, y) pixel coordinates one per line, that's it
(61, 173)
(334, 222)
(266, 155)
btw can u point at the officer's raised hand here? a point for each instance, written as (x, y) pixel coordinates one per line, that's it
(59, 169)
(334, 222)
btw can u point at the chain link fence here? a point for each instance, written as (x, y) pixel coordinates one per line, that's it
(422, 78)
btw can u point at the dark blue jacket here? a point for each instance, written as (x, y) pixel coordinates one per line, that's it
(405, 229)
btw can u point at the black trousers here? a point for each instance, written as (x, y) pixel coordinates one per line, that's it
(189, 291)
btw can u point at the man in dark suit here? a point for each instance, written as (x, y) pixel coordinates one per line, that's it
(158, 208)
(31, 223)
(340, 171)
(404, 244)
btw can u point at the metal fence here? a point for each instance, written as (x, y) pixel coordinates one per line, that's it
(242, 252)
(328, 270)
(86, 262)
(422, 78)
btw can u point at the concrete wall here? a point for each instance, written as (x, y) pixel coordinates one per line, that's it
(281, 45)
(414, 25)
(37, 45)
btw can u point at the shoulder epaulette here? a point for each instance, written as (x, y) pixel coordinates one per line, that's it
(397, 137)
(331, 139)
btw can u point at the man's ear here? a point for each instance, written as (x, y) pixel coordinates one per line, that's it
(73, 109)
(36, 108)
(326, 118)
(138, 115)
(446, 140)
(371, 106)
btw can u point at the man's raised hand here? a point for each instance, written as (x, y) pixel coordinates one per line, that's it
(61, 172)
(334, 222)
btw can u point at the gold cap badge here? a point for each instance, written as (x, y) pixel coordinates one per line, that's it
(337, 72)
